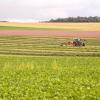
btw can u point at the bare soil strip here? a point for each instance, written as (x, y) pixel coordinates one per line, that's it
(51, 33)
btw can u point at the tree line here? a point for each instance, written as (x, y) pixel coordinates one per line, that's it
(76, 19)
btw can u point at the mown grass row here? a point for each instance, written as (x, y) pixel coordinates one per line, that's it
(22, 45)
(50, 78)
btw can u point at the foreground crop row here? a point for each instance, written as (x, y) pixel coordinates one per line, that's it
(49, 78)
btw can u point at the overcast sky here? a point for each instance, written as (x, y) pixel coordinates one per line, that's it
(47, 9)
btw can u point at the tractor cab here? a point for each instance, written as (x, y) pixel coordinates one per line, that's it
(79, 42)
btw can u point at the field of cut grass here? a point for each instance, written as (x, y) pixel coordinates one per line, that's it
(27, 45)
(49, 78)
(51, 26)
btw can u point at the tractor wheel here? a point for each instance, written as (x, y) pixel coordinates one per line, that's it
(83, 44)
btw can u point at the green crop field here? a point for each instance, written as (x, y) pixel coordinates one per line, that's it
(31, 28)
(33, 68)
(49, 78)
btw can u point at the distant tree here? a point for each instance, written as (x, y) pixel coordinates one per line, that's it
(77, 19)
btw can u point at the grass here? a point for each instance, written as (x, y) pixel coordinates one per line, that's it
(34, 68)
(49, 78)
(51, 26)
(40, 69)
(31, 28)
(24, 45)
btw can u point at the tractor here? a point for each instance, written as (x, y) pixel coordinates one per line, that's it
(77, 42)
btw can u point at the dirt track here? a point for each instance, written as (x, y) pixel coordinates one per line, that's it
(45, 33)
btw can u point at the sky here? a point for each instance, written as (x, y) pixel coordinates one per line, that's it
(41, 10)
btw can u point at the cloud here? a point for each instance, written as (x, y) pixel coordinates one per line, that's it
(46, 9)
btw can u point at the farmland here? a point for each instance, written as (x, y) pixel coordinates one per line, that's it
(36, 67)
(46, 46)
(51, 26)
(38, 78)
(85, 30)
